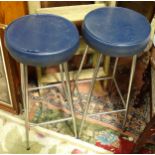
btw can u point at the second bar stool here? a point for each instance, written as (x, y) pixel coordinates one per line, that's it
(117, 32)
(42, 40)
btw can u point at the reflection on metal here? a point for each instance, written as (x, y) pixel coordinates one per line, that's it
(3, 26)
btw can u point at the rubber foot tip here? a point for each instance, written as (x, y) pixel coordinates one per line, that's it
(28, 148)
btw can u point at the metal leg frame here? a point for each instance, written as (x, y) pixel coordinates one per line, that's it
(125, 103)
(24, 86)
(24, 89)
(76, 78)
(133, 66)
(70, 99)
(63, 82)
(90, 93)
(115, 82)
(80, 69)
(78, 74)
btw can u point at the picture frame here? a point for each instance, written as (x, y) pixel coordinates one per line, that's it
(10, 97)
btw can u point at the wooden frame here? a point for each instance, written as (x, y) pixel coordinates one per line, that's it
(76, 17)
(12, 78)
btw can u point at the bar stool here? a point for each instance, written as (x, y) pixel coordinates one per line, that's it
(42, 40)
(117, 32)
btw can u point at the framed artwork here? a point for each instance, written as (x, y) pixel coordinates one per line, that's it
(9, 80)
(5, 94)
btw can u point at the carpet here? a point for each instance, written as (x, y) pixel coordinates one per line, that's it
(42, 141)
(104, 131)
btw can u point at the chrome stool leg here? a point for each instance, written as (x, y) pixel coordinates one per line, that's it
(78, 74)
(115, 67)
(133, 66)
(113, 74)
(90, 92)
(126, 103)
(70, 99)
(24, 85)
(80, 69)
(115, 82)
(63, 82)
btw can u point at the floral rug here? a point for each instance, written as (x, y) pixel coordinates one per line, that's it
(42, 141)
(104, 131)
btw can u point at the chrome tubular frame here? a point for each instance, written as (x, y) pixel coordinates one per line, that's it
(77, 77)
(25, 90)
(63, 82)
(133, 66)
(51, 122)
(70, 99)
(79, 70)
(125, 102)
(90, 92)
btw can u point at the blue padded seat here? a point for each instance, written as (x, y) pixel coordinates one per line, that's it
(116, 31)
(41, 39)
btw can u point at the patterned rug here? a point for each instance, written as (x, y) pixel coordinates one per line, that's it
(42, 141)
(104, 131)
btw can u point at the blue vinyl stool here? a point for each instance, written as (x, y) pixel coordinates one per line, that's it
(42, 40)
(117, 32)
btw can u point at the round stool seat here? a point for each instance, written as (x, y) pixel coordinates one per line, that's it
(116, 31)
(41, 39)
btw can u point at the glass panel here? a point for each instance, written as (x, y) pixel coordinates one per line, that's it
(4, 94)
